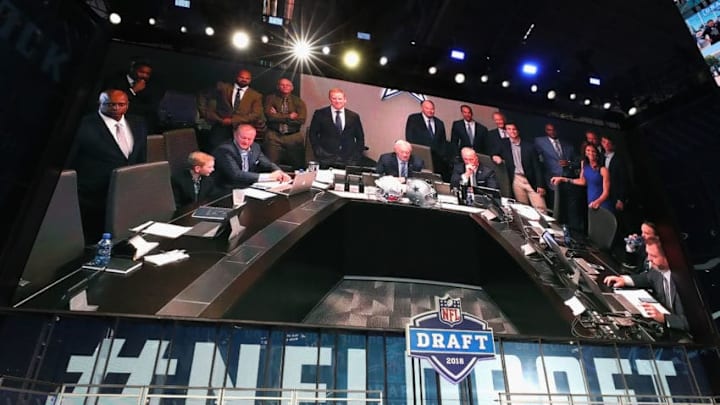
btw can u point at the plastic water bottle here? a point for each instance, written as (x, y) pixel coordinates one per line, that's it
(566, 236)
(104, 250)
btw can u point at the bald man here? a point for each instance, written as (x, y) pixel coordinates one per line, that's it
(401, 162)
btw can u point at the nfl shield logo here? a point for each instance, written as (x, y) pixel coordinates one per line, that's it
(449, 310)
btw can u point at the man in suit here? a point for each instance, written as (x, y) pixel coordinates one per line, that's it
(232, 105)
(523, 167)
(142, 92)
(471, 172)
(424, 128)
(286, 114)
(336, 133)
(240, 162)
(400, 163)
(659, 279)
(194, 183)
(493, 140)
(105, 140)
(467, 132)
(556, 156)
(618, 175)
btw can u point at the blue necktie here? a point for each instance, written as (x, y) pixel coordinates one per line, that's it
(403, 169)
(245, 164)
(338, 122)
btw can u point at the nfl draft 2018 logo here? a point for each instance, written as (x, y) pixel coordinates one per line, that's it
(452, 341)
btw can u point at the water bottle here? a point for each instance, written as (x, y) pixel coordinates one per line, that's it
(470, 196)
(104, 250)
(566, 236)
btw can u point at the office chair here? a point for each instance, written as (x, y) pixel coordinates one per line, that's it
(178, 145)
(156, 148)
(60, 238)
(424, 153)
(137, 194)
(500, 174)
(602, 226)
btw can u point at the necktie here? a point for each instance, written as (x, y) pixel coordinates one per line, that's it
(122, 139)
(668, 293)
(403, 169)
(556, 146)
(284, 109)
(196, 187)
(338, 122)
(430, 128)
(238, 97)
(470, 133)
(245, 164)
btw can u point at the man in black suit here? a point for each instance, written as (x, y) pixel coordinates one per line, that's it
(240, 162)
(400, 163)
(194, 183)
(468, 132)
(659, 279)
(523, 167)
(424, 128)
(142, 92)
(471, 172)
(336, 133)
(105, 140)
(493, 140)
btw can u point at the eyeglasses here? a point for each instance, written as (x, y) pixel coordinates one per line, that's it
(115, 104)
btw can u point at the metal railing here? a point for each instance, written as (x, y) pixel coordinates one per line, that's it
(585, 399)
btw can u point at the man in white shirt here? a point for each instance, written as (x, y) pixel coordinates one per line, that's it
(400, 163)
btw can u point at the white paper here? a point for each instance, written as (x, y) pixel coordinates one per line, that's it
(161, 259)
(166, 230)
(447, 199)
(265, 185)
(238, 197)
(325, 176)
(636, 296)
(526, 211)
(258, 194)
(575, 305)
(79, 302)
(320, 185)
(348, 194)
(142, 226)
(141, 246)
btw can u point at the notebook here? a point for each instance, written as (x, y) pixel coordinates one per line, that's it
(301, 183)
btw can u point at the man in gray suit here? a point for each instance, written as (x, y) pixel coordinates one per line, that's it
(240, 162)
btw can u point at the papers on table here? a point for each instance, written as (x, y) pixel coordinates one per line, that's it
(141, 246)
(258, 194)
(161, 259)
(447, 199)
(526, 211)
(349, 194)
(320, 185)
(265, 185)
(639, 297)
(326, 176)
(166, 230)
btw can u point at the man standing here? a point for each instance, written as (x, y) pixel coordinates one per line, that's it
(556, 157)
(494, 138)
(239, 162)
(467, 132)
(336, 133)
(286, 114)
(471, 172)
(142, 93)
(424, 128)
(400, 163)
(105, 140)
(523, 167)
(232, 105)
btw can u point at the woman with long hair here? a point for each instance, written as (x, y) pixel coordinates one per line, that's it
(593, 175)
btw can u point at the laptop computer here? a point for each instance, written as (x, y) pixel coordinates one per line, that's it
(300, 184)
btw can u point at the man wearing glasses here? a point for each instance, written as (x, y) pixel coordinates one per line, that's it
(105, 140)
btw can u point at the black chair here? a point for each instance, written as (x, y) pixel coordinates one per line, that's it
(501, 175)
(178, 145)
(137, 194)
(602, 226)
(156, 148)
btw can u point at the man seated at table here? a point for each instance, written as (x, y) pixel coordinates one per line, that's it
(659, 280)
(400, 163)
(240, 162)
(193, 183)
(471, 172)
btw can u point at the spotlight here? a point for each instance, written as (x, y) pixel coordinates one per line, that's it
(151, 21)
(240, 40)
(326, 50)
(607, 105)
(587, 101)
(115, 18)
(301, 49)
(534, 88)
(265, 39)
(632, 111)
(209, 31)
(573, 96)
(413, 43)
(383, 60)
(351, 59)
(551, 95)
(457, 54)
(484, 78)
(595, 81)
(432, 70)
(505, 83)
(460, 78)
(183, 29)
(529, 69)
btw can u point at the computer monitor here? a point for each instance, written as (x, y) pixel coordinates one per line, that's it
(427, 176)
(359, 169)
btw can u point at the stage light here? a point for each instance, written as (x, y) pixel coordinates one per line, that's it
(595, 81)
(505, 83)
(241, 40)
(587, 101)
(632, 111)
(265, 39)
(413, 43)
(572, 96)
(432, 70)
(115, 18)
(457, 54)
(534, 88)
(365, 36)
(460, 78)
(209, 31)
(151, 21)
(607, 105)
(326, 50)
(301, 49)
(529, 69)
(383, 60)
(484, 78)
(551, 95)
(183, 29)
(351, 59)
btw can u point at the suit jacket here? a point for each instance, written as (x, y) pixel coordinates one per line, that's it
(493, 142)
(484, 176)
(228, 166)
(530, 162)
(551, 161)
(145, 103)
(388, 165)
(95, 154)
(416, 131)
(618, 179)
(653, 279)
(459, 137)
(331, 147)
(295, 104)
(184, 188)
(249, 111)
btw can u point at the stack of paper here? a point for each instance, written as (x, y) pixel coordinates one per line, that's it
(167, 257)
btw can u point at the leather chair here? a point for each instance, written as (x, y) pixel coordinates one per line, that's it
(178, 145)
(137, 194)
(424, 153)
(602, 226)
(156, 148)
(60, 238)
(500, 174)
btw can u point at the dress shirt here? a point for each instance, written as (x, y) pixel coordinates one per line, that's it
(470, 127)
(430, 123)
(517, 157)
(261, 176)
(111, 125)
(556, 145)
(242, 91)
(502, 133)
(402, 167)
(608, 158)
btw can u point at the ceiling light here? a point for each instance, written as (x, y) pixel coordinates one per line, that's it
(457, 54)
(573, 96)
(209, 31)
(529, 69)
(326, 50)
(587, 101)
(351, 59)
(632, 111)
(151, 21)
(534, 88)
(383, 60)
(413, 43)
(607, 105)
(460, 78)
(240, 40)
(301, 50)
(432, 70)
(551, 95)
(183, 29)
(505, 83)
(115, 18)
(484, 78)
(265, 39)
(595, 81)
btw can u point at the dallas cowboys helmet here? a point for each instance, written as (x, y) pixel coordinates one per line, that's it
(421, 193)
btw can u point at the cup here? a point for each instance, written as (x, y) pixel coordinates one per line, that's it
(313, 166)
